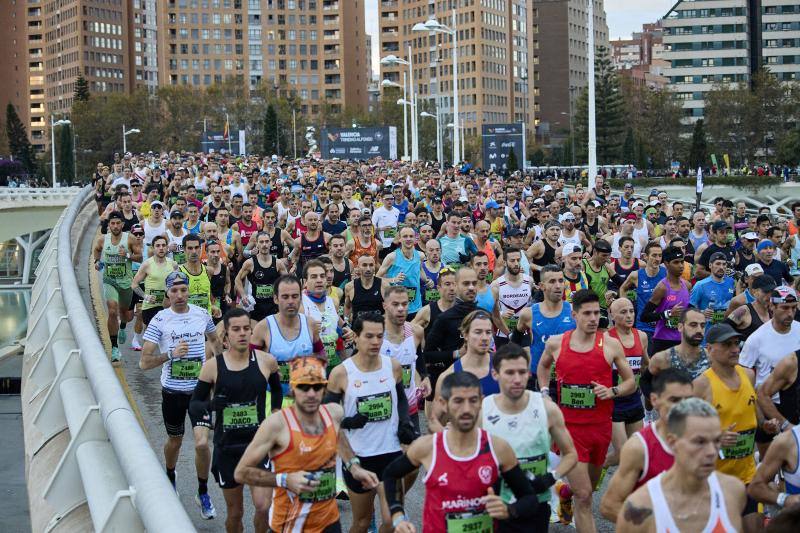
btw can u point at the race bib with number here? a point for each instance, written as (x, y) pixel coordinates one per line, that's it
(511, 322)
(636, 366)
(239, 416)
(179, 257)
(284, 371)
(432, 295)
(264, 291)
(407, 370)
(717, 316)
(185, 368)
(469, 523)
(631, 295)
(412, 293)
(577, 396)
(158, 296)
(390, 233)
(326, 490)
(376, 407)
(744, 446)
(115, 270)
(532, 467)
(672, 322)
(200, 300)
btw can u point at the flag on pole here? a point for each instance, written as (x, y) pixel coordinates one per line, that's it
(727, 162)
(226, 133)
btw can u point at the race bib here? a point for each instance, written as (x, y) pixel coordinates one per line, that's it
(577, 396)
(185, 368)
(744, 446)
(239, 416)
(158, 295)
(407, 370)
(636, 366)
(718, 316)
(532, 467)
(489, 277)
(200, 300)
(390, 233)
(511, 322)
(283, 371)
(326, 490)
(672, 322)
(412, 293)
(264, 291)
(179, 257)
(115, 270)
(469, 523)
(631, 295)
(432, 295)
(376, 407)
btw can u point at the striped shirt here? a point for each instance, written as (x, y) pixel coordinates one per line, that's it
(169, 328)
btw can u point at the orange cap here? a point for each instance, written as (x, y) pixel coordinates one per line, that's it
(307, 371)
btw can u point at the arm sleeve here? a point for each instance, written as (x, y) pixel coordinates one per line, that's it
(402, 404)
(276, 391)
(396, 470)
(333, 397)
(646, 382)
(527, 502)
(199, 404)
(649, 313)
(421, 365)
(434, 339)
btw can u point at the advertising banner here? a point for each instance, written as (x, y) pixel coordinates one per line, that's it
(359, 143)
(498, 142)
(217, 142)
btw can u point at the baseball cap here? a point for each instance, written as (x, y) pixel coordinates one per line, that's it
(721, 333)
(784, 294)
(570, 248)
(753, 269)
(491, 204)
(717, 256)
(175, 213)
(307, 371)
(654, 203)
(547, 188)
(177, 277)
(137, 228)
(629, 185)
(637, 203)
(750, 236)
(720, 224)
(539, 201)
(515, 232)
(629, 216)
(764, 244)
(115, 214)
(155, 203)
(566, 216)
(672, 253)
(552, 224)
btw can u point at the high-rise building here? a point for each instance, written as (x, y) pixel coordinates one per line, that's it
(561, 67)
(641, 58)
(494, 58)
(314, 49)
(708, 43)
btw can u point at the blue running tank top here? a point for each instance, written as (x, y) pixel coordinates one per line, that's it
(645, 286)
(411, 268)
(284, 350)
(485, 300)
(542, 328)
(488, 384)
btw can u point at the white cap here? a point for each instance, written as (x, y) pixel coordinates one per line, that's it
(547, 188)
(637, 203)
(753, 269)
(570, 248)
(750, 236)
(566, 216)
(539, 201)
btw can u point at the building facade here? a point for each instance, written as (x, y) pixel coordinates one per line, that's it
(561, 67)
(707, 43)
(494, 58)
(14, 62)
(640, 59)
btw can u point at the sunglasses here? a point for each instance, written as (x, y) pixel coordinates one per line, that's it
(137, 234)
(305, 387)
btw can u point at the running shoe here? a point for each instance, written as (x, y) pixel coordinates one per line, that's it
(116, 357)
(564, 502)
(136, 345)
(207, 510)
(122, 336)
(373, 526)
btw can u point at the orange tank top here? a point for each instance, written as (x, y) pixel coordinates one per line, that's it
(489, 251)
(312, 511)
(359, 250)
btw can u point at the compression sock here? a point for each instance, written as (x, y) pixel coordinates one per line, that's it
(123, 325)
(113, 340)
(171, 475)
(202, 486)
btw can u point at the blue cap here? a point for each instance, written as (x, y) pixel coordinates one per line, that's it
(177, 277)
(491, 204)
(765, 243)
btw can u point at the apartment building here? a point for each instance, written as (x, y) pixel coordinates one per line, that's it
(561, 67)
(494, 57)
(640, 59)
(14, 60)
(708, 42)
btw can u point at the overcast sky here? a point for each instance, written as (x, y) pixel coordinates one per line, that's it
(624, 17)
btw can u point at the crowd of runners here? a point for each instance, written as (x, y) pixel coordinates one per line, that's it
(331, 327)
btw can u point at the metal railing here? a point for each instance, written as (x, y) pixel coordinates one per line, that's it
(28, 196)
(107, 463)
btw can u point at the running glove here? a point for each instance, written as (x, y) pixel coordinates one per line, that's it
(357, 421)
(542, 483)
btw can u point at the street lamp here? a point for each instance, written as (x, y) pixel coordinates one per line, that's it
(390, 83)
(392, 60)
(460, 155)
(439, 153)
(434, 26)
(125, 134)
(53, 124)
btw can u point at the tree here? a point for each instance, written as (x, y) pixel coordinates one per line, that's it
(698, 153)
(537, 159)
(18, 143)
(512, 164)
(660, 126)
(66, 161)
(609, 113)
(628, 153)
(788, 152)
(270, 131)
(81, 93)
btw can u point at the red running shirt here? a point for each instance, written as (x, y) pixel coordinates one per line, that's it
(455, 486)
(575, 372)
(657, 455)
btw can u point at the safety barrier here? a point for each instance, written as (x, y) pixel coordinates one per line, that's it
(89, 464)
(12, 197)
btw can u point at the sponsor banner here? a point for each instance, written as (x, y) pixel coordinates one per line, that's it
(498, 142)
(359, 143)
(217, 142)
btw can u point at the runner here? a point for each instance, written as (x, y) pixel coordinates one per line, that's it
(113, 254)
(512, 291)
(730, 388)
(175, 234)
(199, 279)
(598, 273)
(153, 273)
(712, 294)
(364, 293)
(646, 453)
(583, 359)
(261, 271)
(463, 463)
(781, 458)
(783, 381)
(628, 410)
(364, 242)
(220, 276)
(322, 310)
(404, 267)
(690, 496)
(178, 336)
(528, 421)
(247, 227)
(376, 415)
(445, 297)
(311, 244)
(342, 269)
(669, 299)
(574, 277)
(543, 252)
(301, 442)
(432, 266)
(641, 284)
(238, 376)
(747, 318)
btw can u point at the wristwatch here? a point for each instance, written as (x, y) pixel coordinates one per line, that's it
(780, 501)
(545, 391)
(615, 391)
(400, 518)
(354, 461)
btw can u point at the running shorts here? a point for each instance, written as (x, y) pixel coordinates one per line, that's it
(629, 416)
(591, 441)
(123, 297)
(373, 463)
(174, 408)
(223, 464)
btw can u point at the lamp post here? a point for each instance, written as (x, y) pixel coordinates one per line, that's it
(125, 134)
(434, 26)
(53, 124)
(592, 125)
(390, 83)
(439, 153)
(392, 60)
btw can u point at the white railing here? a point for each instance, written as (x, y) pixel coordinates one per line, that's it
(11, 197)
(106, 464)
